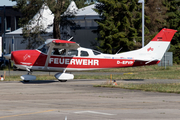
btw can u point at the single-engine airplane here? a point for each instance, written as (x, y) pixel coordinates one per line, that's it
(62, 56)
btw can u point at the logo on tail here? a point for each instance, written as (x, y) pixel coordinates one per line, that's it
(150, 49)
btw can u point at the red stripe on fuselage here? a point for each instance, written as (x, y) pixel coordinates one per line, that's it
(35, 58)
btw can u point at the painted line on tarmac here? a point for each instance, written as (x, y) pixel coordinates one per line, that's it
(94, 112)
(27, 114)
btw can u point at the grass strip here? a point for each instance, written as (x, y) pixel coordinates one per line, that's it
(154, 87)
(142, 72)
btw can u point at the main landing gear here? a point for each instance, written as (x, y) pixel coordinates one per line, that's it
(63, 77)
(62, 80)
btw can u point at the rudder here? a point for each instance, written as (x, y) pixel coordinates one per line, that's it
(165, 35)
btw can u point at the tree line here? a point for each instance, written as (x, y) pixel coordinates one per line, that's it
(120, 25)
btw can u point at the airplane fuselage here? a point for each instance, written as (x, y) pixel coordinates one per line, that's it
(36, 60)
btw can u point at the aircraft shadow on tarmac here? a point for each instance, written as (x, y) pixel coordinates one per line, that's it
(133, 79)
(39, 81)
(55, 81)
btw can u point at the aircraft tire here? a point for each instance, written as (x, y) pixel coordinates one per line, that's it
(26, 81)
(62, 80)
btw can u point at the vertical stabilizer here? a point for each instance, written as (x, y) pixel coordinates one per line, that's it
(165, 35)
(155, 49)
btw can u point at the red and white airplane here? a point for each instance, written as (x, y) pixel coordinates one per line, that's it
(62, 56)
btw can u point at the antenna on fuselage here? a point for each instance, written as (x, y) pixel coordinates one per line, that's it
(119, 50)
(70, 39)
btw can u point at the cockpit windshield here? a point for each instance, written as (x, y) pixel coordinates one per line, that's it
(43, 48)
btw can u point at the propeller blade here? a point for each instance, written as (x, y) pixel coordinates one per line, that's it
(7, 56)
(9, 48)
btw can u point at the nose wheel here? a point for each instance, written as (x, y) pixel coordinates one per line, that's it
(28, 76)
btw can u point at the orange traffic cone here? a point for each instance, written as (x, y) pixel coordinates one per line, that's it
(114, 82)
(2, 78)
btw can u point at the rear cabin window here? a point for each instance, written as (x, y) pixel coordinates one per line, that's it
(55, 51)
(73, 52)
(84, 53)
(96, 52)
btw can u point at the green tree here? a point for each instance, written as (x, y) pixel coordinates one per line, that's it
(121, 23)
(155, 18)
(80, 3)
(29, 8)
(31, 34)
(117, 24)
(173, 22)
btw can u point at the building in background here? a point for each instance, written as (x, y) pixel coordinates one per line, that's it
(11, 16)
(43, 17)
(84, 17)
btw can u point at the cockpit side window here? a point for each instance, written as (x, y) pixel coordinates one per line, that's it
(43, 48)
(57, 51)
(84, 53)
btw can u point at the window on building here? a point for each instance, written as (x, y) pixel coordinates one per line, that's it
(8, 23)
(17, 22)
(95, 24)
(88, 23)
(0, 24)
(82, 23)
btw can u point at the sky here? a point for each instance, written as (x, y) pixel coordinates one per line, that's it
(7, 3)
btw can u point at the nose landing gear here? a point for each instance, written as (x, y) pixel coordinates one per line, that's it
(28, 76)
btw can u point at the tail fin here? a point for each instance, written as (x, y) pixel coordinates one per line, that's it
(165, 35)
(155, 49)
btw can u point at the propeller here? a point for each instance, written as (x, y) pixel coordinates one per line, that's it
(8, 57)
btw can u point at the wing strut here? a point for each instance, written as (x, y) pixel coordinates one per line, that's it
(70, 39)
(64, 70)
(48, 56)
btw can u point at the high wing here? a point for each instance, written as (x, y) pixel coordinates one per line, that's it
(56, 43)
(64, 44)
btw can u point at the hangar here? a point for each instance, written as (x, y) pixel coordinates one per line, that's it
(84, 17)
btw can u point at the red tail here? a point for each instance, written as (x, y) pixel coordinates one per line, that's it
(164, 35)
